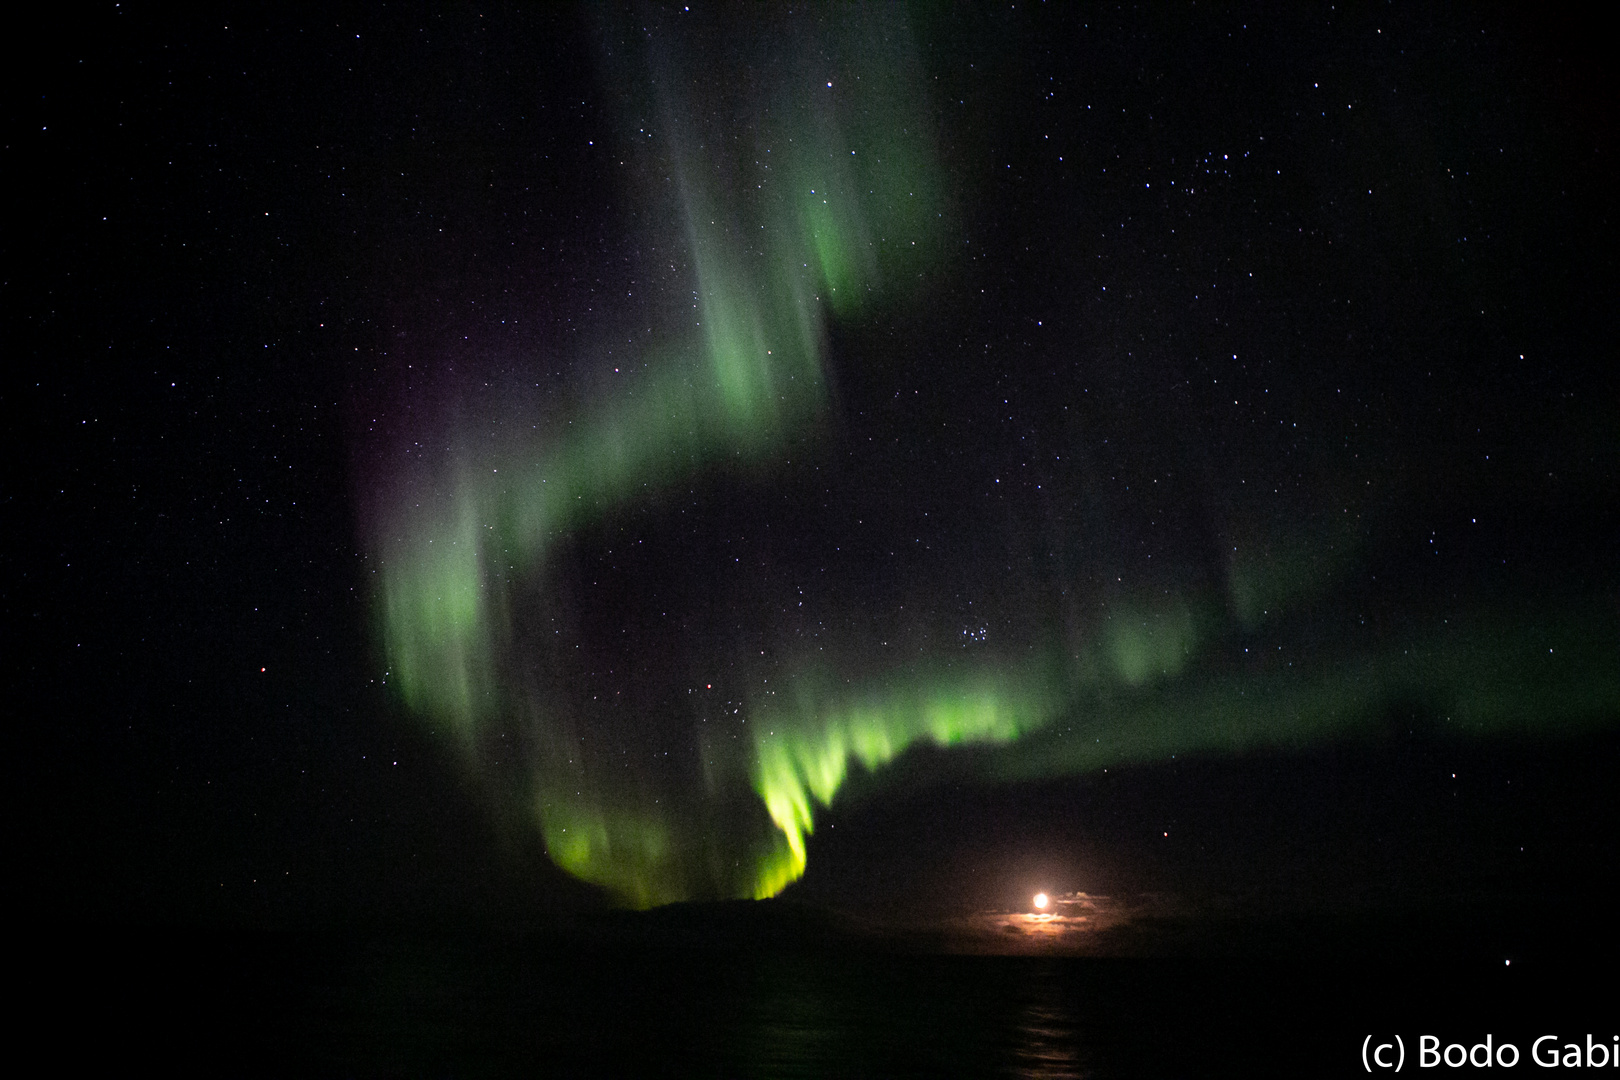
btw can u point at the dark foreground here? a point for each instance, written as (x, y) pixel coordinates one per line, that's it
(1282, 998)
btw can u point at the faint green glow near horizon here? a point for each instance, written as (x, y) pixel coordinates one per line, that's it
(1489, 671)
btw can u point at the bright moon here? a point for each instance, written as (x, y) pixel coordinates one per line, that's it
(1040, 899)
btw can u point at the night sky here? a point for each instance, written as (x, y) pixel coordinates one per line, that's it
(494, 462)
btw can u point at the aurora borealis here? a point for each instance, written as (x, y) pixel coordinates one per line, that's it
(809, 196)
(601, 540)
(556, 588)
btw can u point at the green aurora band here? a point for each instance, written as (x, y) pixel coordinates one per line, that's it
(813, 202)
(798, 207)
